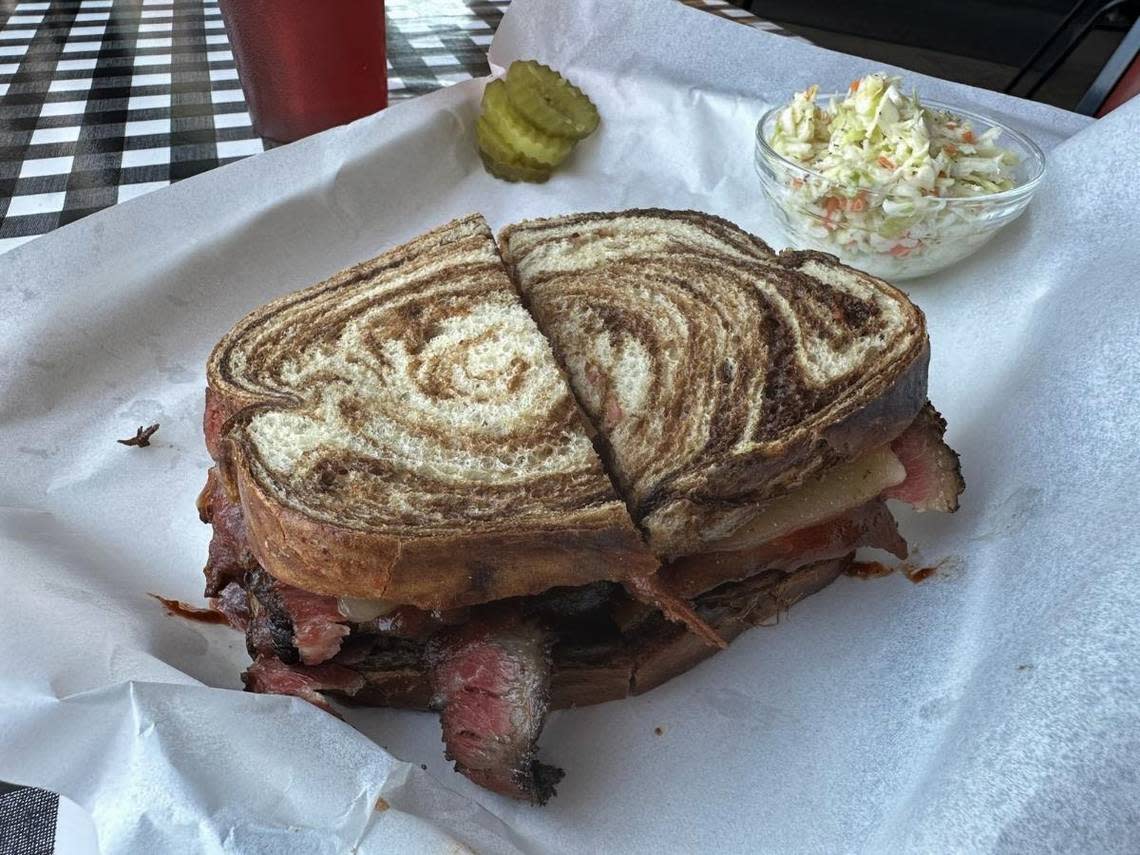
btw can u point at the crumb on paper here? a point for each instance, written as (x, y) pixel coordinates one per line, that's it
(382, 805)
(142, 436)
(659, 730)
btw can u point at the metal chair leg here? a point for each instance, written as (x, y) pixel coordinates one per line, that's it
(1045, 45)
(1102, 88)
(1073, 45)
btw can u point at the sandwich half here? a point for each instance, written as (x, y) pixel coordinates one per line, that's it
(395, 446)
(402, 432)
(754, 408)
(417, 502)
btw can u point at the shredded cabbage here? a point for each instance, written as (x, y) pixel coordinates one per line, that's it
(887, 164)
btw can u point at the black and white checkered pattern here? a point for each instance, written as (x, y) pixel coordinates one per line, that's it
(107, 100)
(435, 43)
(27, 820)
(104, 100)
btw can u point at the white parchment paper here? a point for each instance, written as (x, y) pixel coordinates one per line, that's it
(993, 708)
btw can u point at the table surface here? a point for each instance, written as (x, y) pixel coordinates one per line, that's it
(104, 100)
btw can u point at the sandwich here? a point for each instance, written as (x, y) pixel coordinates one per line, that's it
(492, 480)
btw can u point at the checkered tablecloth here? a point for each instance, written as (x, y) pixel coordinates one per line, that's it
(27, 820)
(104, 100)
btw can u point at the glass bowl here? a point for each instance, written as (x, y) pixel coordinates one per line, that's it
(909, 238)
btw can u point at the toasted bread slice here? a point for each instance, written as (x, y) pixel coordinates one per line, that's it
(719, 375)
(403, 432)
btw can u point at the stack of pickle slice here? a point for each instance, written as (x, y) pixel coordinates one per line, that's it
(530, 122)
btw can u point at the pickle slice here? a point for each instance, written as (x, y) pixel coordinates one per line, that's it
(549, 101)
(540, 148)
(513, 171)
(497, 148)
(501, 160)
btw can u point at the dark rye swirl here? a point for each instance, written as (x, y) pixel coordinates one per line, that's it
(719, 375)
(402, 431)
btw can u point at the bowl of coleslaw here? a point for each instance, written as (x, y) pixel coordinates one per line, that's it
(890, 184)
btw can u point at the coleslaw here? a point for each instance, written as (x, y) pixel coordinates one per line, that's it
(880, 170)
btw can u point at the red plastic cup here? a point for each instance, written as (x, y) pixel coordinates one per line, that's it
(308, 65)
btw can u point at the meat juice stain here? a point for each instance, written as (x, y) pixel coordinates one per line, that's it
(917, 574)
(177, 608)
(869, 570)
(874, 569)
